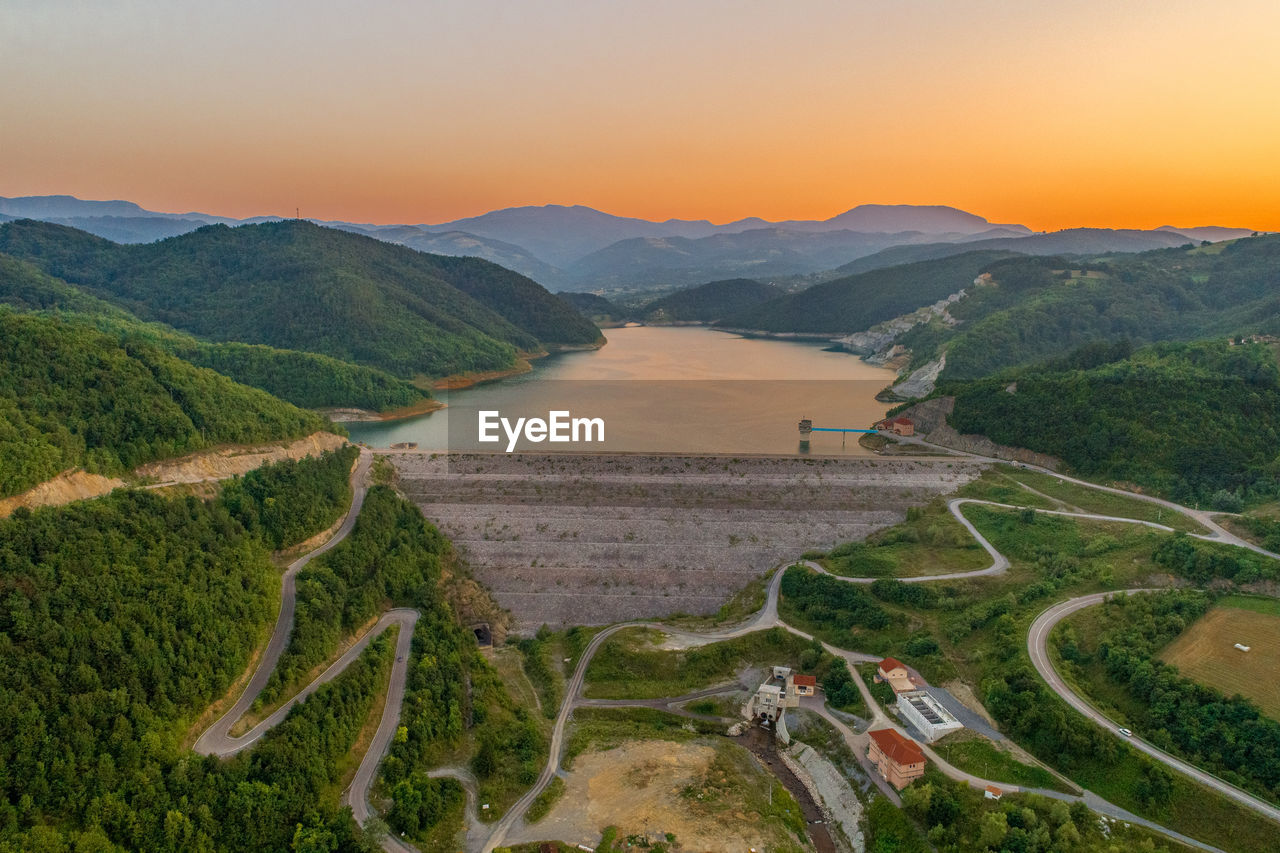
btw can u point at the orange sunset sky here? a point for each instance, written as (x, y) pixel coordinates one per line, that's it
(1116, 113)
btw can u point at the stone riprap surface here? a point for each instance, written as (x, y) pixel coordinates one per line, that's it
(587, 539)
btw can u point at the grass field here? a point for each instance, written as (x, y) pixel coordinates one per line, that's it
(1206, 652)
(930, 541)
(975, 754)
(1103, 503)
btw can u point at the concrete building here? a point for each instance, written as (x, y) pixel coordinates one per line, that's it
(895, 673)
(927, 715)
(992, 792)
(767, 703)
(899, 759)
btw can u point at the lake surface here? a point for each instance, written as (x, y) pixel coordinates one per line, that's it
(668, 390)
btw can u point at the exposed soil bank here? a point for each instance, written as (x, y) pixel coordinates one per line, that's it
(196, 468)
(357, 415)
(230, 461)
(63, 489)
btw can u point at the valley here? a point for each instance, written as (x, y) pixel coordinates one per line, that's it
(639, 428)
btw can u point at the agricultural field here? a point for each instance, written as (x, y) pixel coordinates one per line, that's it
(565, 539)
(1206, 651)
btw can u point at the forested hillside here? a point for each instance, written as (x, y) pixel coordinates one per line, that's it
(71, 396)
(1199, 423)
(597, 308)
(1040, 308)
(298, 286)
(860, 301)
(709, 302)
(305, 379)
(124, 618)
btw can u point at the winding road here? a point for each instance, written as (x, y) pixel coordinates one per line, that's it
(217, 739)
(1038, 648)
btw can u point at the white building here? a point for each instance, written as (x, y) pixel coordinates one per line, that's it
(930, 718)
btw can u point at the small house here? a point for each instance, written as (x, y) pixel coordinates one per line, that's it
(894, 672)
(903, 426)
(991, 792)
(802, 685)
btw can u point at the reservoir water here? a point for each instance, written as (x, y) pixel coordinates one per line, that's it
(667, 390)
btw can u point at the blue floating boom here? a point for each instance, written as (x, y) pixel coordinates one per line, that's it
(835, 429)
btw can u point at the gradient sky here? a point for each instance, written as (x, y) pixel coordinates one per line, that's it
(1053, 114)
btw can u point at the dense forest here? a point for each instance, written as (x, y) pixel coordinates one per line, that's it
(960, 819)
(395, 557)
(1042, 308)
(860, 301)
(392, 555)
(1229, 737)
(1198, 422)
(288, 502)
(123, 618)
(1030, 309)
(305, 379)
(708, 303)
(813, 599)
(71, 396)
(298, 286)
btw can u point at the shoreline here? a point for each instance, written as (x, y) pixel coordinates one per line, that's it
(351, 415)
(456, 381)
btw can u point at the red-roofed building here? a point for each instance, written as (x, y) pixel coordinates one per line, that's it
(895, 672)
(899, 759)
(897, 426)
(992, 792)
(802, 685)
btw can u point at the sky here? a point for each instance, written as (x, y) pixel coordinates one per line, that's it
(1057, 114)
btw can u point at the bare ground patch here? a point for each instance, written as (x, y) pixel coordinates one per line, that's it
(657, 787)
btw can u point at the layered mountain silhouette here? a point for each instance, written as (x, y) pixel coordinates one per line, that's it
(579, 248)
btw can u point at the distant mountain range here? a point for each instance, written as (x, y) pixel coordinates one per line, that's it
(580, 248)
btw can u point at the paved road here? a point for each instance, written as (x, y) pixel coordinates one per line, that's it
(1038, 648)
(217, 740)
(357, 794)
(766, 618)
(1217, 533)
